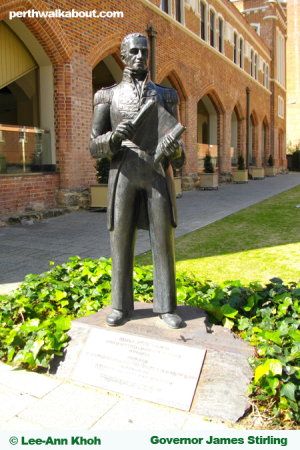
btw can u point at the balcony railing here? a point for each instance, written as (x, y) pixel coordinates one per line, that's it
(25, 150)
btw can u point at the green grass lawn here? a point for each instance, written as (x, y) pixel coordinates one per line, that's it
(255, 244)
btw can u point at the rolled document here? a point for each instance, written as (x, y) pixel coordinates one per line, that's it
(176, 133)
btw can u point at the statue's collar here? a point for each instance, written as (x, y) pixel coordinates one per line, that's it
(129, 74)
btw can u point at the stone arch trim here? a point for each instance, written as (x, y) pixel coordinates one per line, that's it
(110, 45)
(214, 98)
(241, 137)
(239, 111)
(47, 31)
(176, 77)
(254, 117)
(266, 123)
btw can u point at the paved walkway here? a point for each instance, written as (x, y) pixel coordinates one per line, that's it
(29, 248)
(31, 401)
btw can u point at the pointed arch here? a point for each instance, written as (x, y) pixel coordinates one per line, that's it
(46, 30)
(109, 46)
(239, 111)
(254, 118)
(265, 141)
(214, 97)
(176, 78)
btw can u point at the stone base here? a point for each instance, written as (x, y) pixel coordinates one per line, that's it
(225, 177)
(78, 198)
(29, 216)
(222, 388)
(190, 181)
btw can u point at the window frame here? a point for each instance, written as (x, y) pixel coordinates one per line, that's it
(235, 47)
(242, 53)
(212, 33)
(221, 38)
(203, 20)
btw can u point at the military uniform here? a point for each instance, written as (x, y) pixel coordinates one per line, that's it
(141, 194)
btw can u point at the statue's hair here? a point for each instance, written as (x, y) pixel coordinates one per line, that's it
(125, 41)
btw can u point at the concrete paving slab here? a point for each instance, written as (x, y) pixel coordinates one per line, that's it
(8, 287)
(79, 408)
(13, 403)
(21, 425)
(135, 415)
(27, 382)
(195, 423)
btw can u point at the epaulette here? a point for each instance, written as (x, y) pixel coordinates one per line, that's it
(169, 94)
(104, 95)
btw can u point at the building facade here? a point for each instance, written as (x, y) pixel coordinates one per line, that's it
(293, 73)
(225, 59)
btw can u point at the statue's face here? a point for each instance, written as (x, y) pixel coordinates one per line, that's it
(137, 54)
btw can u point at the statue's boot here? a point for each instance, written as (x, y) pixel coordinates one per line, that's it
(172, 320)
(116, 318)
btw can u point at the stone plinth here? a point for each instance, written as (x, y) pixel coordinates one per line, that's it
(222, 388)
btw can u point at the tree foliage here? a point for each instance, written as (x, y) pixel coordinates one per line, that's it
(208, 165)
(102, 166)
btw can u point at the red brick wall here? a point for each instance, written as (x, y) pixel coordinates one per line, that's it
(76, 46)
(293, 72)
(35, 191)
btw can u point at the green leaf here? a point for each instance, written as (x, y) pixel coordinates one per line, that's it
(288, 390)
(260, 371)
(62, 322)
(227, 323)
(228, 311)
(294, 334)
(250, 303)
(283, 403)
(59, 295)
(270, 365)
(274, 366)
(273, 336)
(10, 354)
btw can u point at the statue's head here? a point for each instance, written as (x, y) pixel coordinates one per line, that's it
(134, 52)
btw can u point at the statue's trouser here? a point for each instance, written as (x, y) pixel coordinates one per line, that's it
(138, 176)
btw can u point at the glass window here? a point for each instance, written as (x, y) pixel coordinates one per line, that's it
(165, 6)
(212, 29)
(203, 21)
(252, 63)
(241, 53)
(235, 48)
(178, 10)
(255, 67)
(221, 35)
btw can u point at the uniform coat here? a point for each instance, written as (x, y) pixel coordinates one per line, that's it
(141, 194)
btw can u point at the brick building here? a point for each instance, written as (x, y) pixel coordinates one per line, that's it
(293, 72)
(220, 56)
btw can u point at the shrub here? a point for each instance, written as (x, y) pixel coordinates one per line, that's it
(241, 162)
(271, 161)
(296, 160)
(102, 166)
(208, 165)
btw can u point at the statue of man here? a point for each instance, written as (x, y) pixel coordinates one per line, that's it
(141, 192)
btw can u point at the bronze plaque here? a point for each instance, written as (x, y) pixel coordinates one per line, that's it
(148, 369)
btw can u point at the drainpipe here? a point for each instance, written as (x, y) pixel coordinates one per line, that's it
(152, 35)
(248, 127)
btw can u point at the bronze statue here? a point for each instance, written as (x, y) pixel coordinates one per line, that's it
(141, 191)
